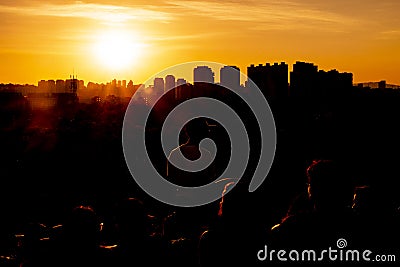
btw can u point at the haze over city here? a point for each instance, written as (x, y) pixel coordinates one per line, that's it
(103, 40)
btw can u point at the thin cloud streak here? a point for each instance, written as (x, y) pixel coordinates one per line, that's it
(182, 37)
(389, 35)
(269, 15)
(108, 13)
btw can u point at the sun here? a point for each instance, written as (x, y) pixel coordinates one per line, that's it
(117, 50)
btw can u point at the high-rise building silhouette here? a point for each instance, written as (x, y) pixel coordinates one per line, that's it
(51, 86)
(307, 81)
(203, 74)
(81, 84)
(230, 77)
(60, 86)
(71, 85)
(159, 85)
(169, 82)
(271, 79)
(181, 81)
(382, 85)
(303, 79)
(130, 87)
(42, 86)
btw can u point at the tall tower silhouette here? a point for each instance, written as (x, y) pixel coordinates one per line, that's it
(203, 74)
(73, 84)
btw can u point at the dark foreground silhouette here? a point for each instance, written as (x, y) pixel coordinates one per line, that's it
(67, 198)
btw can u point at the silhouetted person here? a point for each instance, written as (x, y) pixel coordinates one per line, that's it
(233, 239)
(330, 192)
(79, 244)
(34, 248)
(376, 218)
(136, 245)
(329, 187)
(194, 131)
(181, 232)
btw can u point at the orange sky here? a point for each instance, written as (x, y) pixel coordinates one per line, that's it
(49, 39)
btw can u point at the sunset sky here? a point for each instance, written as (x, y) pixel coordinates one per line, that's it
(102, 40)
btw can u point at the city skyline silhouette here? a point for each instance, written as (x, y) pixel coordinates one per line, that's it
(217, 76)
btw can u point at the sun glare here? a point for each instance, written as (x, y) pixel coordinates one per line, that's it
(117, 50)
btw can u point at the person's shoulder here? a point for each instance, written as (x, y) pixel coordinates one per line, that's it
(293, 230)
(293, 222)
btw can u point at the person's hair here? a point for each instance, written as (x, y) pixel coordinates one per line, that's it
(82, 225)
(329, 183)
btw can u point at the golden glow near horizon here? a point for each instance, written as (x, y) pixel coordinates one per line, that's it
(106, 39)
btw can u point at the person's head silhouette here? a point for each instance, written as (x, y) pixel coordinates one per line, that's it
(329, 186)
(132, 220)
(82, 227)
